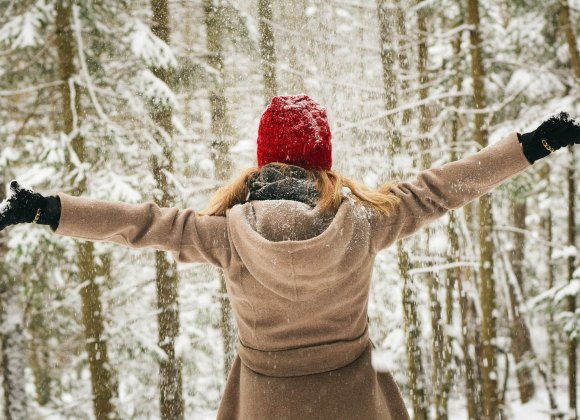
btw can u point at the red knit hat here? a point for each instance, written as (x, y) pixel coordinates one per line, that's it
(294, 130)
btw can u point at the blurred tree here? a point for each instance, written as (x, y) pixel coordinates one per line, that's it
(267, 49)
(487, 281)
(222, 132)
(547, 227)
(412, 325)
(102, 377)
(566, 26)
(166, 277)
(457, 275)
(425, 143)
(12, 335)
(294, 14)
(521, 345)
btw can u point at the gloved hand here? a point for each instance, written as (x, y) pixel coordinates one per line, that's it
(27, 206)
(554, 133)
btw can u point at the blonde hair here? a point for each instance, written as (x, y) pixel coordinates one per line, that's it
(329, 185)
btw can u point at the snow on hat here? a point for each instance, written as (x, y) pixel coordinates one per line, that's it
(294, 130)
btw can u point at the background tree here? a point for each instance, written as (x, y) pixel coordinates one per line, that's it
(166, 278)
(486, 276)
(102, 377)
(267, 49)
(222, 132)
(189, 100)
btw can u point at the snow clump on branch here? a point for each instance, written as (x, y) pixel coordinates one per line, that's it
(151, 49)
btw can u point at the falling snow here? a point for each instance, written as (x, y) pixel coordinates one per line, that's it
(149, 117)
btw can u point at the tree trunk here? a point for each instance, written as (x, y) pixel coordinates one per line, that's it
(170, 376)
(487, 293)
(453, 276)
(467, 343)
(467, 288)
(227, 325)
(222, 131)
(400, 22)
(438, 342)
(388, 55)
(104, 386)
(40, 363)
(572, 345)
(566, 24)
(546, 224)
(267, 49)
(416, 373)
(521, 345)
(13, 348)
(166, 278)
(12, 333)
(390, 82)
(412, 325)
(103, 382)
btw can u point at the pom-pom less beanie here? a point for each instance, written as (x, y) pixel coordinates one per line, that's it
(294, 130)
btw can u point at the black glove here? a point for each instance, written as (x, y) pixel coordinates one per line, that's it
(27, 206)
(554, 133)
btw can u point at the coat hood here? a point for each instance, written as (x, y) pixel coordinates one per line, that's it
(294, 249)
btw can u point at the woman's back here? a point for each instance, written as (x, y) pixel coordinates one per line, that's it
(290, 294)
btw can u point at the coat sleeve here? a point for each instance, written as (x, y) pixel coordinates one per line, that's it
(190, 237)
(435, 191)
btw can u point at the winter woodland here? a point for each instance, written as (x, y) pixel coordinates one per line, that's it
(476, 316)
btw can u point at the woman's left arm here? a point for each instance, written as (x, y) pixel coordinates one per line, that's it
(435, 191)
(190, 237)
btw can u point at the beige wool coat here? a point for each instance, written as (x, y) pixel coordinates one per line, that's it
(299, 282)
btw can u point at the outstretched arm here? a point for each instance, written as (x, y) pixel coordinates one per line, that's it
(437, 190)
(190, 237)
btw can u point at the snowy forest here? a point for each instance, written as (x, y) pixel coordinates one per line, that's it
(475, 316)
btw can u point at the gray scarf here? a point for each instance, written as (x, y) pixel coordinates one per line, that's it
(271, 183)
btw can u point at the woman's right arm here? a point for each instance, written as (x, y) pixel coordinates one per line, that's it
(190, 237)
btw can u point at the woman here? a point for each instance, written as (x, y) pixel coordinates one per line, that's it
(298, 249)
